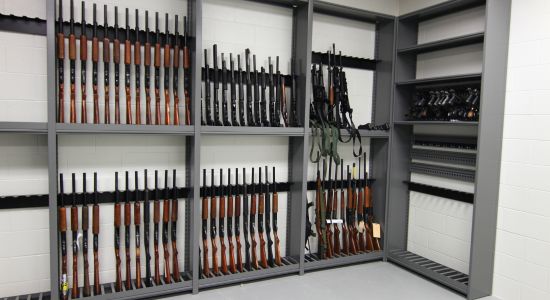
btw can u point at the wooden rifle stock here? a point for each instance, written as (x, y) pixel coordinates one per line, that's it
(147, 64)
(95, 232)
(137, 223)
(86, 290)
(275, 229)
(62, 223)
(166, 75)
(83, 59)
(72, 58)
(261, 204)
(361, 237)
(328, 205)
(117, 222)
(156, 221)
(61, 67)
(106, 65)
(116, 60)
(252, 222)
(157, 72)
(127, 223)
(221, 217)
(237, 224)
(335, 210)
(95, 60)
(232, 266)
(174, 220)
(137, 66)
(187, 72)
(74, 229)
(213, 213)
(205, 264)
(176, 64)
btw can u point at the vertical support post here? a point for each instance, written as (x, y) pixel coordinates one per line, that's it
(489, 145)
(52, 147)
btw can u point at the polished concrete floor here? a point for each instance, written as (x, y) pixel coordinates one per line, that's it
(380, 281)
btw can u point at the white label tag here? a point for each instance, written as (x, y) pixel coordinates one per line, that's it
(361, 226)
(376, 230)
(334, 221)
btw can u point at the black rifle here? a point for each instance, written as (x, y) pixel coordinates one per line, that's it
(206, 269)
(207, 103)
(157, 71)
(309, 227)
(257, 117)
(278, 99)
(253, 223)
(293, 92)
(118, 218)
(83, 61)
(238, 224)
(272, 102)
(221, 225)
(146, 222)
(270, 261)
(137, 72)
(86, 291)
(95, 60)
(230, 212)
(72, 59)
(186, 72)
(106, 65)
(127, 222)
(213, 234)
(166, 73)
(241, 90)
(225, 113)
(265, 120)
(137, 236)
(156, 221)
(147, 64)
(95, 232)
(165, 220)
(116, 60)
(234, 119)
(60, 67)
(282, 109)
(62, 215)
(174, 220)
(275, 227)
(249, 113)
(245, 223)
(217, 120)
(261, 231)
(74, 230)
(127, 63)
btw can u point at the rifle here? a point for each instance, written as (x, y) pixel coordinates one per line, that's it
(156, 221)
(265, 121)
(278, 99)
(137, 223)
(309, 232)
(213, 226)
(116, 60)
(232, 266)
(118, 218)
(225, 113)
(261, 209)
(61, 66)
(175, 71)
(127, 62)
(356, 188)
(360, 199)
(367, 204)
(221, 224)
(343, 211)
(249, 113)
(281, 96)
(328, 211)
(83, 59)
(127, 223)
(137, 69)
(147, 63)
(72, 59)
(268, 223)
(241, 91)
(238, 224)
(174, 219)
(293, 101)
(206, 265)
(352, 230)
(146, 220)
(275, 227)
(166, 74)
(234, 120)
(74, 229)
(95, 59)
(217, 121)
(186, 72)
(336, 247)
(62, 212)
(259, 120)
(245, 223)
(95, 232)
(252, 223)
(207, 103)
(320, 212)
(272, 102)
(86, 291)
(165, 219)
(106, 65)
(157, 71)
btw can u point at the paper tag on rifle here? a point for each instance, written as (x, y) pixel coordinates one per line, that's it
(376, 230)
(64, 284)
(335, 221)
(361, 226)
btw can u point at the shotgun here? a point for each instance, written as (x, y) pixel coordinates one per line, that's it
(270, 261)
(95, 232)
(221, 225)
(206, 265)
(166, 73)
(106, 66)
(275, 227)
(213, 234)
(217, 120)
(261, 209)
(225, 108)
(234, 120)
(356, 191)
(74, 230)
(127, 63)
(116, 60)
(245, 223)
(281, 97)
(319, 210)
(238, 224)
(147, 64)
(343, 211)
(137, 70)
(165, 220)
(156, 221)
(367, 204)
(175, 71)
(257, 117)
(83, 59)
(249, 112)
(186, 72)
(137, 223)
(61, 66)
(157, 71)
(272, 101)
(232, 266)
(360, 200)
(127, 223)
(336, 247)
(95, 60)
(207, 103)
(279, 91)
(265, 120)
(328, 211)
(352, 230)
(86, 291)
(146, 222)
(174, 219)
(62, 211)
(241, 91)
(253, 222)
(293, 93)
(118, 282)
(72, 59)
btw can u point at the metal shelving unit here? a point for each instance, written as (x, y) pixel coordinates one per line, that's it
(389, 151)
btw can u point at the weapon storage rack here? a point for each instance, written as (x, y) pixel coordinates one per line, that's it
(394, 83)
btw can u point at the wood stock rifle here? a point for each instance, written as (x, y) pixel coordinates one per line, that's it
(275, 227)
(221, 226)
(72, 59)
(328, 211)
(86, 290)
(252, 224)
(127, 224)
(62, 223)
(238, 224)
(230, 205)
(116, 60)
(343, 211)
(156, 221)
(60, 66)
(118, 219)
(245, 223)
(146, 222)
(83, 69)
(147, 64)
(95, 232)
(270, 261)
(174, 219)
(166, 73)
(187, 71)
(74, 231)
(137, 70)
(360, 201)
(175, 71)
(95, 60)
(213, 234)
(261, 209)
(336, 247)
(206, 265)
(165, 220)
(157, 71)
(106, 66)
(137, 229)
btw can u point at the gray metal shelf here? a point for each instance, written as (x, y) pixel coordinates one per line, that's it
(24, 127)
(66, 128)
(456, 79)
(263, 131)
(312, 263)
(464, 40)
(444, 123)
(349, 12)
(442, 9)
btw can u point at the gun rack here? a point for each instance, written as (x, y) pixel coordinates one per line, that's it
(391, 152)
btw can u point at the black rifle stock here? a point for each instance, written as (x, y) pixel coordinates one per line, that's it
(217, 120)
(221, 226)
(234, 120)
(257, 117)
(213, 234)
(205, 263)
(60, 66)
(238, 224)
(174, 220)
(207, 97)
(241, 91)
(137, 225)
(137, 71)
(127, 63)
(72, 61)
(261, 231)
(106, 67)
(249, 112)
(95, 60)
(116, 60)
(165, 220)
(225, 108)
(167, 120)
(253, 224)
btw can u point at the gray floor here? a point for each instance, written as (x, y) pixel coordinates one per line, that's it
(380, 281)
